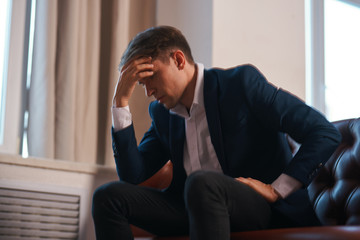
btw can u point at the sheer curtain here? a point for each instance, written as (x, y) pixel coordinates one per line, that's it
(77, 47)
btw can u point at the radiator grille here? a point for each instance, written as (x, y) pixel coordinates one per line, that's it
(34, 215)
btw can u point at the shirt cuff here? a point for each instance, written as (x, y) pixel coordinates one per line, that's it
(284, 185)
(121, 118)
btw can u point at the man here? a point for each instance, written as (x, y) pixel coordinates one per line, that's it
(223, 130)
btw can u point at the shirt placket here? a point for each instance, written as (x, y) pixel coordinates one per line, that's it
(192, 144)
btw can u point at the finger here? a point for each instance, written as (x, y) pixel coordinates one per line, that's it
(145, 74)
(248, 180)
(135, 62)
(135, 69)
(142, 60)
(132, 76)
(144, 67)
(244, 180)
(139, 71)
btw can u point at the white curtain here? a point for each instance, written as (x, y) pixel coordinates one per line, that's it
(77, 47)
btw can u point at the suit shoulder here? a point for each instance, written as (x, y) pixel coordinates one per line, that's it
(239, 68)
(242, 71)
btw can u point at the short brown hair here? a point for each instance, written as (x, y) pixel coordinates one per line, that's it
(156, 42)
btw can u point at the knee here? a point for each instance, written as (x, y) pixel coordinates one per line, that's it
(104, 197)
(99, 196)
(200, 188)
(98, 200)
(198, 181)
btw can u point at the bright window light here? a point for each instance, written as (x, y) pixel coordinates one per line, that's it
(5, 8)
(342, 60)
(25, 150)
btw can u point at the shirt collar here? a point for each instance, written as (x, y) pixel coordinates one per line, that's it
(198, 100)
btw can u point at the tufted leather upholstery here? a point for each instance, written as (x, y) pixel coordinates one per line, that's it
(335, 192)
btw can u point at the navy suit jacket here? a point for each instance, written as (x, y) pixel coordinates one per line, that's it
(248, 119)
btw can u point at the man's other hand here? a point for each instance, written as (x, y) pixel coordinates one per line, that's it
(265, 190)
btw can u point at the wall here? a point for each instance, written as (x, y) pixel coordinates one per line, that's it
(194, 19)
(268, 34)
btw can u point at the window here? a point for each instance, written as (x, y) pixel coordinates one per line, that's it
(333, 57)
(5, 10)
(342, 59)
(14, 16)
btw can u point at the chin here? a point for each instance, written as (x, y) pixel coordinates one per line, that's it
(167, 106)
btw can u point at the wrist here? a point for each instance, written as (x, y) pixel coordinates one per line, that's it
(118, 103)
(278, 195)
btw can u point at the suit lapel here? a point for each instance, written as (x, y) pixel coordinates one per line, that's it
(177, 137)
(213, 118)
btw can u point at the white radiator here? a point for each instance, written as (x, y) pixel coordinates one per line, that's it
(28, 214)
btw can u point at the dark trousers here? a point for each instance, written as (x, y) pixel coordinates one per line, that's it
(211, 207)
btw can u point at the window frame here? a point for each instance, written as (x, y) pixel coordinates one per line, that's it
(315, 54)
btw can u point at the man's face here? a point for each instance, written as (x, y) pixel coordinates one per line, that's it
(167, 84)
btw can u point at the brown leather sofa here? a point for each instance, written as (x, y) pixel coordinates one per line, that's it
(335, 194)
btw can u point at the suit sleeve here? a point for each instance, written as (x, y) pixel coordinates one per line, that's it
(278, 109)
(134, 163)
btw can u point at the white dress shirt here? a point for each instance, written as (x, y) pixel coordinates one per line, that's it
(199, 152)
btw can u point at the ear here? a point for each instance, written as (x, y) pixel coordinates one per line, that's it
(180, 59)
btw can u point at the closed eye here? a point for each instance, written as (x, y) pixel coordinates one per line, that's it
(141, 83)
(144, 80)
